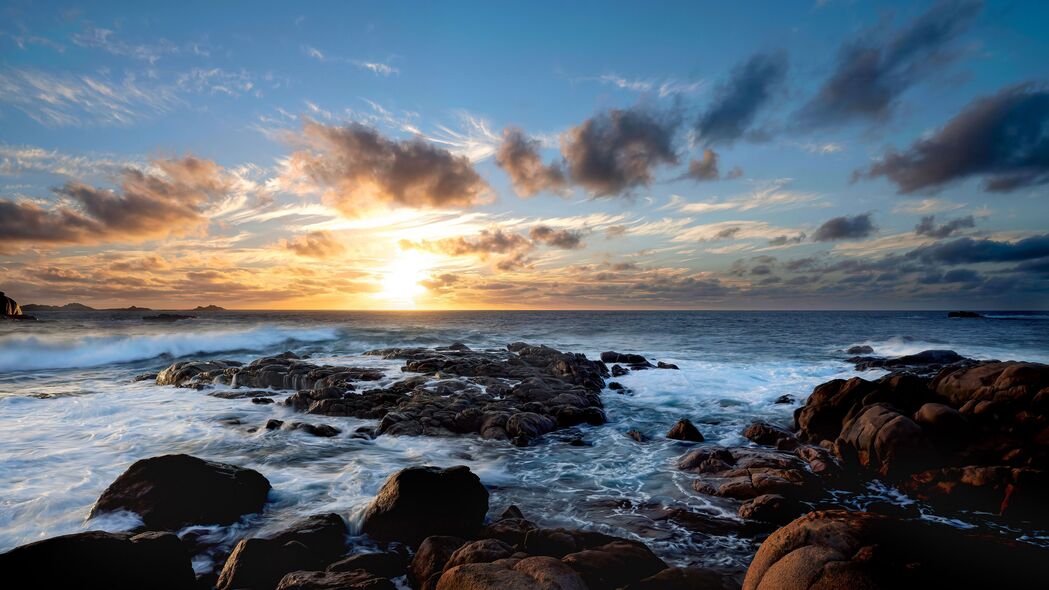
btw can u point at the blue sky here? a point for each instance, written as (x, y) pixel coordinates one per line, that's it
(678, 155)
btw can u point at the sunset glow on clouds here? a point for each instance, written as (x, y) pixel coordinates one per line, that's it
(372, 157)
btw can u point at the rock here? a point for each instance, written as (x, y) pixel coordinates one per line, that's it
(763, 433)
(384, 565)
(1014, 492)
(532, 573)
(10, 309)
(260, 563)
(283, 371)
(429, 560)
(167, 317)
(483, 551)
(636, 435)
(619, 371)
(684, 578)
(684, 429)
(963, 314)
(97, 560)
(262, 400)
(859, 349)
(941, 421)
(662, 365)
(615, 564)
(354, 580)
(926, 361)
(626, 359)
(883, 440)
(743, 474)
(838, 549)
(510, 530)
(784, 399)
(185, 373)
(418, 502)
(173, 491)
(772, 508)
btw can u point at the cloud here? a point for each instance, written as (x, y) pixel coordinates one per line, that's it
(147, 206)
(738, 101)
(707, 168)
(104, 39)
(519, 157)
(376, 67)
(767, 195)
(564, 238)
(845, 228)
(927, 206)
(927, 226)
(356, 168)
(1001, 138)
(17, 160)
(487, 242)
(315, 244)
(970, 251)
(618, 150)
(872, 72)
(785, 240)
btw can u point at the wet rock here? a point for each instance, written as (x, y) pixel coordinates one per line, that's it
(235, 394)
(260, 563)
(429, 560)
(636, 436)
(99, 560)
(662, 365)
(561, 542)
(743, 474)
(510, 530)
(837, 549)
(926, 361)
(619, 371)
(763, 433)
(173, 491)
(261, 400)
(144, 377)
(483, 551)
(284, 371)
(772, 508)
(941, 420)
(963, 314)
(1015, 492)
(859, 349)
(186, 373)
(167, 317)
(353, 580)
(418, 502)
(381, 564)
(784, 399)
(615, 564)
(685, 430)
(626, 359)
(882, 440)
(532, 573)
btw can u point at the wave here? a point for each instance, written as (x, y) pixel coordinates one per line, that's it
(1017, 316)
(20, 353)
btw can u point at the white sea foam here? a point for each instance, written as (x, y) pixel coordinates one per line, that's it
(19, 352)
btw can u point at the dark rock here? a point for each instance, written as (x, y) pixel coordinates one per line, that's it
(685, 578)
(615, 564)
(963, 314)
(684, 429)
(384, 565)
(883, 440)
(418, 502)
(532, 573)
(772, 508)
(619, 371)
(511, 511)
(927, 361)
(483, 551)
(97, 560)
(1014, 492)
(837, 549)
(173, 491)
(261, 400)
(144, 377)
(10, 309)
(662, 365)
(636, 435)
(429, 560)
(274, 424)
(283, 371)
(784, 399)
(626, 359)
(859, 349)
(260, 563)
(616, 386)
(510, 530)
(322, 430)
(185, 373)
(743, 474)
(354, 580)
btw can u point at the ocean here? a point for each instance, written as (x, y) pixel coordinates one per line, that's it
(72, 418)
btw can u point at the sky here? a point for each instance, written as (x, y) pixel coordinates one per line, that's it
(803, 154)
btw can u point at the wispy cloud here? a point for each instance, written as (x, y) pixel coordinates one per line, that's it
(663, 87)
(768, 195)
(106, 40)
(376, 67)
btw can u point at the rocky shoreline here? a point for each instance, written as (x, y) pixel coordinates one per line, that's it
(965, 438)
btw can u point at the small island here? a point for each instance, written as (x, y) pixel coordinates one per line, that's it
(209, 308)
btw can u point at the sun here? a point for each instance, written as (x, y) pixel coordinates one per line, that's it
(401, 279)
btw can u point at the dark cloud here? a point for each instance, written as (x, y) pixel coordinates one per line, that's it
(441, 283)
(618, 150)
(488, 241)
(957, 275)
(147, 206)
(727, 233)
(1003, 138)
(357, 168)
(738, 101)
(785, 240)
(315, 244)
(845, 228)
(563, 238)
(928, 227)
(707, 168)
(872, 72)
(519, 156)
(970, 251)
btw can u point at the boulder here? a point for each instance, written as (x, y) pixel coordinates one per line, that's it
(260, 563)
(838, 549)
(763, 433)
(170, 492)
(102, 561)
(186, 373)
(431, 557)
(662, 365)
(354, 580)
(615, 564)
(859, 349)
(1014, 492)
(684, 578)
(418, 502)
(882, 440)
(743, 474)
(963, 314)
(626, 359)
(532, 573)
(382, 564)
(483, 551)
(684, 429)
(772, 508)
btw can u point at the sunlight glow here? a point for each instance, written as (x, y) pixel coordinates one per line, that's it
(401, 278)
